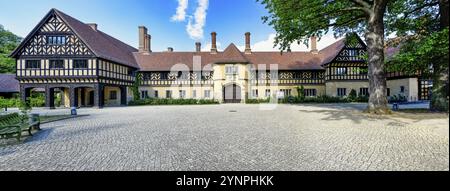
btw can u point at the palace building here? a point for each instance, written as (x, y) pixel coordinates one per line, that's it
(87, 67)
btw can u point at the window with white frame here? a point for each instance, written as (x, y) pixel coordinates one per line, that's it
(255, 93)
(363, 91)
(194, 93)
(156, 93)
(267, 93)
(144, 94)
(182, 94)
(286, 92)
(207, 94)
(310, 92)
(231, 70)
(168, 94)
(341, 92)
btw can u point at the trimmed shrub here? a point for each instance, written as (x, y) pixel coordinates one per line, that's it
(154, 101)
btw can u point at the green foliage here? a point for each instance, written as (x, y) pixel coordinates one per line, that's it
(8, 42)
(398, 99)
(135, 87)
(13, 102)
(417, 54)
(154, 101)
(297, 20)
(352, 95)
(301, 92)
(257, 101)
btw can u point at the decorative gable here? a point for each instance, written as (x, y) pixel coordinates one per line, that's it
(55, 24)
(69, 44)
(354, 50)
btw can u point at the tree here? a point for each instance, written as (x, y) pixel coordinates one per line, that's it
(135, 87)
(297, 20)
(423, 40)
(8, 42)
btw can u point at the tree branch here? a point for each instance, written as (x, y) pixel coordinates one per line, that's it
(362, 3)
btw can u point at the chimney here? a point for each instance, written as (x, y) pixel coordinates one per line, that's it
(149, 42)
(93, 26)
(198, 47)
(314, 45)
(144, 40)
(248, 50)
(169, 49)
(213, 43)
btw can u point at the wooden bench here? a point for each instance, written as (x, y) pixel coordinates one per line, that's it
(12, 125)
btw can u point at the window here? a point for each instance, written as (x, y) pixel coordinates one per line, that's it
(341, 71)
(32, 64)
(144, 94)
(80, 64)
(388, 93)
(56, 40)
(182, 94)
(267, 94)
(56, 64)
(255, 93)
(113, 95)
(156, 94)
(341, 92)
(194, 93)
(363, 91)
(207, 93)
(402, 89)
(231, 69)
(286, 92)
(310, 92)
(168, 94)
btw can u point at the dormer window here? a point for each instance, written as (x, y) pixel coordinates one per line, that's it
(56, 40)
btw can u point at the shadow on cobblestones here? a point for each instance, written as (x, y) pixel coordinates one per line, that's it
(40, 135)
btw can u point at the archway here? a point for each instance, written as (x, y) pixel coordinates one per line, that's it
(232, 94)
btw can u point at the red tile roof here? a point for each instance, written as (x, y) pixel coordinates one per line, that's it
(107, 47)
(103, 45)
(163, 61)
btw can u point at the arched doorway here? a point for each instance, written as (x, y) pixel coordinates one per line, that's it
(232, 94)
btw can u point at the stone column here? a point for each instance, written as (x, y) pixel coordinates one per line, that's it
(72, 97)
(49, 97)
(98, 96)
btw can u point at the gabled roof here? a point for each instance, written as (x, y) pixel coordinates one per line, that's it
(231, 55)
(8, 83)
(107, 47)
(101, 44)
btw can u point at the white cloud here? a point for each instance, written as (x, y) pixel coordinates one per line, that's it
(267, 45)
(196, 23)
(181, 11)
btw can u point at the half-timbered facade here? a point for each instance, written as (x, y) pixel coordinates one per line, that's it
(90, 68)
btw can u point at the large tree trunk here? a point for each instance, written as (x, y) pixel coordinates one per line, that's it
(375, 48)
(439, 97)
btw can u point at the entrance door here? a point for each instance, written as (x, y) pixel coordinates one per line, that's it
(232, 94)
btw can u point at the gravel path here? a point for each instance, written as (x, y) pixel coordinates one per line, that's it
(233, 137)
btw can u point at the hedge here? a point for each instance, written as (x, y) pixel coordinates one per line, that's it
(153, 101)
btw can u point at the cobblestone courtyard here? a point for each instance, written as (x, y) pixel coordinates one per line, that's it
(234, 137)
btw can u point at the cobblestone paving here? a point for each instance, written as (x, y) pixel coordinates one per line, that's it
(315, 137)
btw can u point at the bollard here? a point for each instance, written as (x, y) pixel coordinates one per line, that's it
(73, 111)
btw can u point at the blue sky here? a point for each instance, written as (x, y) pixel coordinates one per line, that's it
(168, 27)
